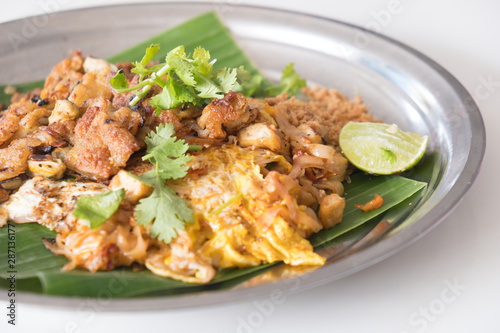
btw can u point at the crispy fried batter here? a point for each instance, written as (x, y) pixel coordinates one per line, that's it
(9, 123)
(92, 86)
(31, 122)
(232, 112)
(104, 140)
(63, 78)
(14, 158)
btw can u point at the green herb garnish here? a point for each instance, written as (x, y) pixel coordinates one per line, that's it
(189, 79)
(167, 153)
(97, 209)
(291, 83)
(163, 209)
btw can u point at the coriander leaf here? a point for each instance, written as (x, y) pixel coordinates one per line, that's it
(119, 81)
(227, 79)
(207, 88)
(189, 80)
(253, 86)
(173, 95)
(167, 153)
(178, 62)
(145, 71)
(243, 75)
(292, 80)
(291, 83)
(163, 209)
(151, 51)
(120, 85)
(201, 62)
(97, 209)
(140, 67)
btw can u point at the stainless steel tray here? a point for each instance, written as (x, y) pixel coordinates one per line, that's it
(399, 84)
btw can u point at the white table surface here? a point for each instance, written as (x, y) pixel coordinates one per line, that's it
(449, 281)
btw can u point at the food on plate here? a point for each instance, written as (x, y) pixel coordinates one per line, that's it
(178, 167)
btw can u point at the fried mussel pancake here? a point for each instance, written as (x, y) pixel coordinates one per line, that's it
(268, 176)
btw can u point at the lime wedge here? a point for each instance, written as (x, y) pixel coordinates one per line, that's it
(381, 149)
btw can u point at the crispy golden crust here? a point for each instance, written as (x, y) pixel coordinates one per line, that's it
(14, 159)
(9, 122)
(92, 86)
(63, 78)
(232, 112)
(103, 140)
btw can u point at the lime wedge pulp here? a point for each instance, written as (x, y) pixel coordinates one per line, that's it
(381, 149)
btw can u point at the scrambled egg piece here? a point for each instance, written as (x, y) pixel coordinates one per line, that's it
(254, 229)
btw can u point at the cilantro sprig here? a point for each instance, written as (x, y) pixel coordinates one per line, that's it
(189, 79)
(291, 83)
(97, 209)
(163, 209)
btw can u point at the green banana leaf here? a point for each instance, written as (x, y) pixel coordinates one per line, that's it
(34, 261)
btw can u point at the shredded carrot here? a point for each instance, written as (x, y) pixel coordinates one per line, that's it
(376, 203)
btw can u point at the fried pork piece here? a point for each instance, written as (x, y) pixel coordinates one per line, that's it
(104, 140)
(151, 120)
(63, 78)
(231, 112)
